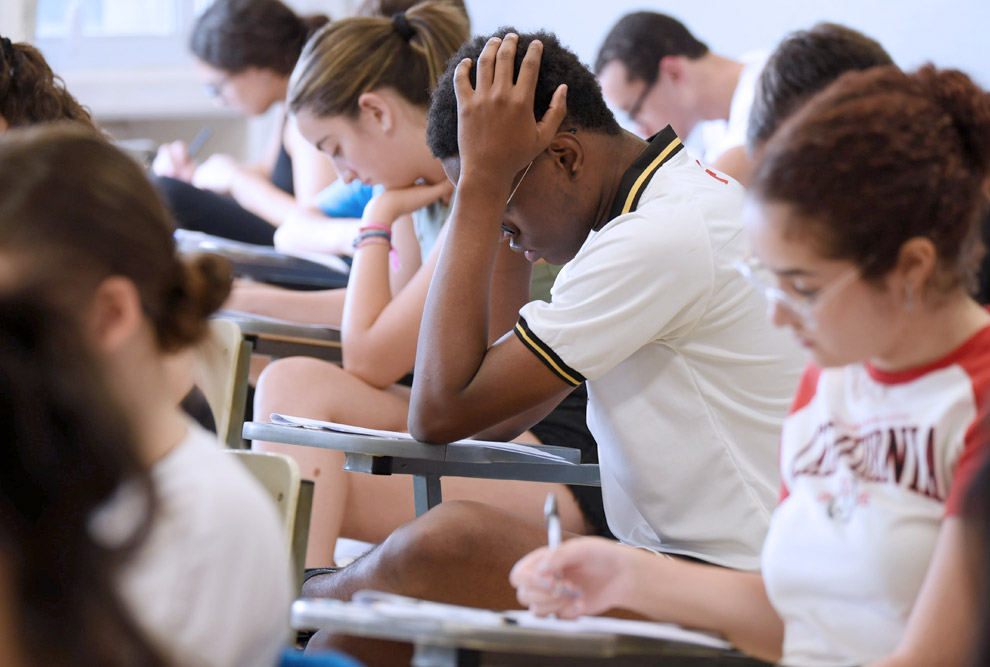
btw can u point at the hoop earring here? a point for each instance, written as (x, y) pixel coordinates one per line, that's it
(909, 297)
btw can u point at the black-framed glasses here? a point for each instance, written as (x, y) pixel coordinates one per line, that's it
(637, 106)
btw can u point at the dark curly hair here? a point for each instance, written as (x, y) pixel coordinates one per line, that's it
(586, 108)
(641, 40)
(802, 64)
(31, 93)
(880, 157)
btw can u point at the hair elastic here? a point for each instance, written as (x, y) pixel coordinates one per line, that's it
(8, 53)
(401, 25)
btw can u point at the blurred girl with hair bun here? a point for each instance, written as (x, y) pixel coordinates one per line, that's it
(79, 219)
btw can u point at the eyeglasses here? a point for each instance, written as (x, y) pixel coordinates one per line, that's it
(637, 106)
(215, 89)
(507, 232)
(801, 306)
(513, 193)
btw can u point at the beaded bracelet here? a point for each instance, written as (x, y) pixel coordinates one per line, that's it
(377, 235)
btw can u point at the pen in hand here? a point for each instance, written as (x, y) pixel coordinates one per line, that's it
(198, 141)
(553, 521)
(553, 534)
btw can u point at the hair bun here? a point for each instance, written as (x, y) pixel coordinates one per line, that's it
(969, 108)
(203, 284)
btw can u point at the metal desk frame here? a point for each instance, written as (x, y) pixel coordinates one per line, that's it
(428, 463)
(447, 643)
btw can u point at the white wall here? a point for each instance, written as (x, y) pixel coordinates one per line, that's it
(950, 33)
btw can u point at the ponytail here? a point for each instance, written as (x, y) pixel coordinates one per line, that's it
(406, 52)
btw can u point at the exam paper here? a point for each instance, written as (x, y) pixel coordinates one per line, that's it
(618, 626)
(289, 420)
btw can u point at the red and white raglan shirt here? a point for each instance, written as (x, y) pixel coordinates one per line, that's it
(871, 462)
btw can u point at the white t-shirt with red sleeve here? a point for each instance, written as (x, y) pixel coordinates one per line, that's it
(871, 462)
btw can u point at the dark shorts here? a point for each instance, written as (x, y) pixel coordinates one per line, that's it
(567, 426)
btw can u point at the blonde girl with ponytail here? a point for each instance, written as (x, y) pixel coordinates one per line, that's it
(360, 94)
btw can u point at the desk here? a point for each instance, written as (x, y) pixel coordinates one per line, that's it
(279, 338)
(450, 643)
(428, 463)
(265, 264)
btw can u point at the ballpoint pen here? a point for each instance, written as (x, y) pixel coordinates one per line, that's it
(553, 534)
(553, 521)
(198, 141)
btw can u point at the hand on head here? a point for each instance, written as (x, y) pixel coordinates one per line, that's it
(583, 576)
(496, 130)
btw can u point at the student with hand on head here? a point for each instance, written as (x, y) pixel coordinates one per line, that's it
(245, 51)
(688, 383)
(210, 585)
(360, 93)
(862, 225)
(652, 68)
(66, 449)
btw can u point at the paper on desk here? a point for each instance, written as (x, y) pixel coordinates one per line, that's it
(289, 420)
(400, 606)
(618, 626)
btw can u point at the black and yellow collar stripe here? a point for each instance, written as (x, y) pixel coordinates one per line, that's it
(663, 146)
(546, 354)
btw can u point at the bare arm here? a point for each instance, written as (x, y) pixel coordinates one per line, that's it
(379, 331)
(462, 385)
(324, 307)
(593, 575)
(311, 230)
(251, 186)
(943, 623)
(735, 162)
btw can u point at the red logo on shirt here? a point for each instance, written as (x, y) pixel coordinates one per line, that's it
(903, 455)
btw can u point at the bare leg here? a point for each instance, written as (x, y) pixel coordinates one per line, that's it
(458, 552)
(369, 507)
(319, 390)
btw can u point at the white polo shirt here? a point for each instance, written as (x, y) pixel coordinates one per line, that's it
(688, 381)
